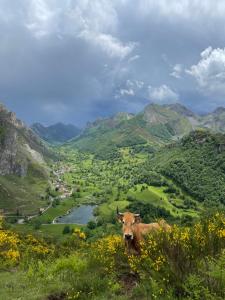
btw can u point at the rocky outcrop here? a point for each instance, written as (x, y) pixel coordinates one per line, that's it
(19, 145)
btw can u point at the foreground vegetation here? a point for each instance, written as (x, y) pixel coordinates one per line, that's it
(187, 263)
(180, 183)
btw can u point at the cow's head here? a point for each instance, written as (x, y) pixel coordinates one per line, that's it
(129, 220)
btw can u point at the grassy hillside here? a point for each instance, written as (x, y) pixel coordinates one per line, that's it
(105, 140)
(196, 164)
(23, 166)
(23, 194)
(215, 120)
(153, 127)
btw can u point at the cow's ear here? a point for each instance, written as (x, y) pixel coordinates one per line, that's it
(120, 217)
(137, 218)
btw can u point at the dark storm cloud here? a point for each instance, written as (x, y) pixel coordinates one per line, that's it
(72, 61)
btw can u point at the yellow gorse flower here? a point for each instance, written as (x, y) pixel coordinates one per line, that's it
(78, 233)
(184, 243)
(106, 249)
(9, 246)
(13, 247)
(1, 222)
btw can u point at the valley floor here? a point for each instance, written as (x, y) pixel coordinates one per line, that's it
(42, 260)
(82, 179)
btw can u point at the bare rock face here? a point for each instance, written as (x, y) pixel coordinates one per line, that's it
(19, 145)
(8, 152)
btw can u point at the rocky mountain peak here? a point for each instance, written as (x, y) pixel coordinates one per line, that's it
(219, 110)
(9, 117)
(180, 109)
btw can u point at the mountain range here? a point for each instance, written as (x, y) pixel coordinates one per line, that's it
(154, 126)
(24, 155)
(57, 133)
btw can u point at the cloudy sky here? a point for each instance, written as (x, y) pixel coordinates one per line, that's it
(75, 60)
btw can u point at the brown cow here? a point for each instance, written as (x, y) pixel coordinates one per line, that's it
(134, 230)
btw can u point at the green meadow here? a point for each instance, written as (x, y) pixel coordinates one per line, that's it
(69, 261)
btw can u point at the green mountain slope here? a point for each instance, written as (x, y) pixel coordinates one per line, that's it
(166, 122)
(197, 164)
(23, 168)
(57, 133)
(154, 126)
(215, 120)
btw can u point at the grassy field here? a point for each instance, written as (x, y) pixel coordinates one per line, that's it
(23, 194)
(59, 210)
(109, 183)
(46, 230)
(157, 197)
(107, 209)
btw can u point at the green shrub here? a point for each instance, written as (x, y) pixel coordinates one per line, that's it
(66, 229)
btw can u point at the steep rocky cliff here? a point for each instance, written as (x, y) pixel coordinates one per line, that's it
(19, 145)
(23, 168)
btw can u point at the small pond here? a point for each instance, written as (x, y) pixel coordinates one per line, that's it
(78, 215)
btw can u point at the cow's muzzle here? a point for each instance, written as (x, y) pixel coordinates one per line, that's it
(128, 236)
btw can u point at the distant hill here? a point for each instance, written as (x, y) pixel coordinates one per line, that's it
(156, 125)
(215, 121)
(197, 164)
(57, 133)
(23, 169)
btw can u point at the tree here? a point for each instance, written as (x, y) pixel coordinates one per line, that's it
(66, 229)
(37, 224)
(91, 224)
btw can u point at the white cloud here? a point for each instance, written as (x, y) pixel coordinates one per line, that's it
(94, 21)
(131, 88)
(162, 94)
(112, 46)
(41, 19)
(137, 84)
(127, 92)
(205, 53)
(185, 10)
(209, 72)
(133, 58)
(177, 71)
(140, 84)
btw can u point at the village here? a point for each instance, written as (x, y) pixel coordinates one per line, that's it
(59, 184)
